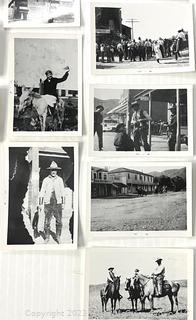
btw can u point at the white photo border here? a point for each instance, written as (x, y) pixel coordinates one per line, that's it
(27, 24)
(123, 71)
(124, 154)
(5, 212)
(26, 135)
(157, 250)
(102, 236)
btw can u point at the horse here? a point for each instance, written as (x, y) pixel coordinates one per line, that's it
(39, 102)
(134, 292)
(112, 293)
(141, 192)
(170, 289)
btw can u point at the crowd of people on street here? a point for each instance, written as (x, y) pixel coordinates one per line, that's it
(141, 50)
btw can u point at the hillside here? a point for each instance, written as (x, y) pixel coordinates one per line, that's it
(107, 104)
(171, 173)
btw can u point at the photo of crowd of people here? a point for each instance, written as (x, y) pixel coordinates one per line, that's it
(126, 40)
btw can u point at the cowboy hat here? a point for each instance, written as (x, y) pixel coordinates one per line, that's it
(110, 268)
(53, 166)
(99, 107)
(158, 259)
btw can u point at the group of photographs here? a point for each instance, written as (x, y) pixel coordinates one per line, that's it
(126, 194)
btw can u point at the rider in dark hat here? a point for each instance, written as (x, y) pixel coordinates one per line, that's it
(110, 279)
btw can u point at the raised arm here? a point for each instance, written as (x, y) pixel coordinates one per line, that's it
(64, 77)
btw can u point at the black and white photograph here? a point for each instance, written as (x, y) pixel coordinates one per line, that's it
(148, 120)
(142, 37)
(42, 13)
(46, 85)
(140, 199)
(139, 283)
(43, 196)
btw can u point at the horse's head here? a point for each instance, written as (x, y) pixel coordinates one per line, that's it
(127, 284)
(25, 98)
(117, 283)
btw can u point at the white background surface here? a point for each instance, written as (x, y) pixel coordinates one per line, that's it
(52, 281)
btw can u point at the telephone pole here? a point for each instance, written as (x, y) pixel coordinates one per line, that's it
(132, 21)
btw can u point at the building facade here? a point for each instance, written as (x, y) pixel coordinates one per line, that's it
(121, 182)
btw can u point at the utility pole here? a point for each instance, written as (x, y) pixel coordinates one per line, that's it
(132, 21)
(178, 131)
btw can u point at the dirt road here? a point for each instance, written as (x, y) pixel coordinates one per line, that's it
(153, 212)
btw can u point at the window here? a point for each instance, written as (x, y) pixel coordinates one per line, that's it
(105, 176)
(129, 176)
(135, 176)
(100, 176)
(94, 175)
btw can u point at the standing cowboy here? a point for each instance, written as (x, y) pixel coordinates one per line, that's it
(140, 119)
(52, 195)
(172, 128)
(98, 127)
(159, 275)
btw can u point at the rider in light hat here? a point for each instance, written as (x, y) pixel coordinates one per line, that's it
(159, 274)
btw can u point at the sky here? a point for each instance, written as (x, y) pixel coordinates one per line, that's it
(157, 20)
(147, 169)
(34, 56)
(105, 94)
(125, 261)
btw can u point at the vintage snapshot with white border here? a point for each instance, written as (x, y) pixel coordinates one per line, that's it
(45, 96)
(139, 283)
(142, 37)
(129, 120)
(41, 207)
(41, 13)
(138, 199)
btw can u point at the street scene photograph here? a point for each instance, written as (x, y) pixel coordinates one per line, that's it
(128, 39)
(145, 197)
(42, 205)
(46, 94)
(142, 120)
(139, 283)
(43, 12)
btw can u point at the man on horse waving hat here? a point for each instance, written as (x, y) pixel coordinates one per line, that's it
(159, 274)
